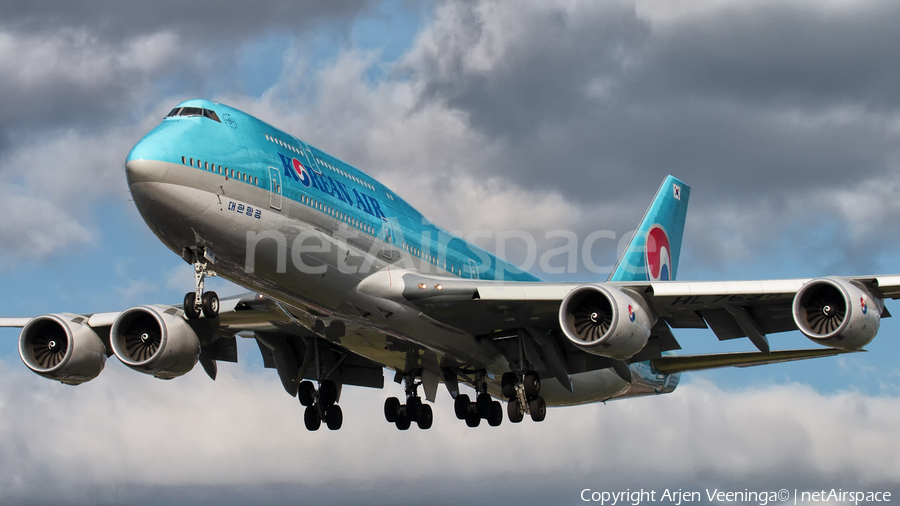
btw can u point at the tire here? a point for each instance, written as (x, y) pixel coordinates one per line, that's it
(414, 408)
(496, 417)
(427, 418)
(327, 393)
(538, 409)
(513, 412)
(532, 385)
(473, 420)
(190, 309)
(311, 418)
(391, 409)
(402, 422)
(334, 417)
(306, 393)
(483, 405)
(508, 384)
(461, 406)
(210, 305)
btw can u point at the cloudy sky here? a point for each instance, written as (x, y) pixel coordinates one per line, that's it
(486, 115)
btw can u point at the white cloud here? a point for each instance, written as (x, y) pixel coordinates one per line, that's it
(34, 228)
(78, 58)
(244, 431)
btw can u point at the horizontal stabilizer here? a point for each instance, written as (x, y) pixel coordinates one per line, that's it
(674, 364)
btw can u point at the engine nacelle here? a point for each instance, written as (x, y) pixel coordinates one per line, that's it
(837, 313)
(605, 321)
(62, 347)
(153, 341)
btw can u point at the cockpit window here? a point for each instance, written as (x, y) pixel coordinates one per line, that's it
(194, 111)
(191, 111)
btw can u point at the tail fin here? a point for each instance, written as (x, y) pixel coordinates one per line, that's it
(653, 252)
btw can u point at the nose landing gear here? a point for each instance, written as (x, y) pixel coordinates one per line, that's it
(197, 301)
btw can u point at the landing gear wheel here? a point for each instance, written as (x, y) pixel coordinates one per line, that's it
(414, 408)
(306, 392)
(514, 411)
(496, 417)
(508, 384)
(402, 422)
(311, 418)
(334, 417)
(210, 305)
(473, 420)
(538, 409)
(461, 406)
(483, 405)
(327, 393)
(391, 409)
(190, 306)
(427, 417)
(532, 385)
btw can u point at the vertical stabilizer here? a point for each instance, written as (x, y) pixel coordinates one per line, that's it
(652, 254)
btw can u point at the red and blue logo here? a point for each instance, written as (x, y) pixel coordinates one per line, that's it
(862, 304)
(658, 255)
(312, 178)
(630, 312)
(301, 173)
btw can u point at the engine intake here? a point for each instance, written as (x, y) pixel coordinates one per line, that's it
(62, 347)
(605, 321)
(837, 313)
(150, 340)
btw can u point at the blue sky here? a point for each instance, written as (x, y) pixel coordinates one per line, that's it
(784, 119)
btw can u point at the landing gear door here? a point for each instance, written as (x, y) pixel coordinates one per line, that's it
(274, 188)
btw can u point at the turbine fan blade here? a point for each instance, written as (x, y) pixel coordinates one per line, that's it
(142, 343)
(592, 318)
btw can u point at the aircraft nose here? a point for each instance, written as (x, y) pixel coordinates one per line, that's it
(147, 163)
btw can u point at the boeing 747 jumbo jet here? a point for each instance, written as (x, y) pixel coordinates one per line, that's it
(348, 280)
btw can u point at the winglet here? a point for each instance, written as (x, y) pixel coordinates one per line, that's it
(652, 255)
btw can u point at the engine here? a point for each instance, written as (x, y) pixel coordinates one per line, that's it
(837, 313)
(606, 321)
(154, 340)
(62, 347)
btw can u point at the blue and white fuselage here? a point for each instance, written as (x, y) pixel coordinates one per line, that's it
(287, 220)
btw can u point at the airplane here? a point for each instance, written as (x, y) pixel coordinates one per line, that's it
(347, 280)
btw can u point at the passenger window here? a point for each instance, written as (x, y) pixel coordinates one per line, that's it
(192, 161)
(183, 161)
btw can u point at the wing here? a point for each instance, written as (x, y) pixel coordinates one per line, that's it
(731, 309)
(72, 348)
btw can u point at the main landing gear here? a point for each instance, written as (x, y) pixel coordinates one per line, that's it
(403, 415)
(524, 396)
(484, 407)
(197, 301)
(320, 405)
